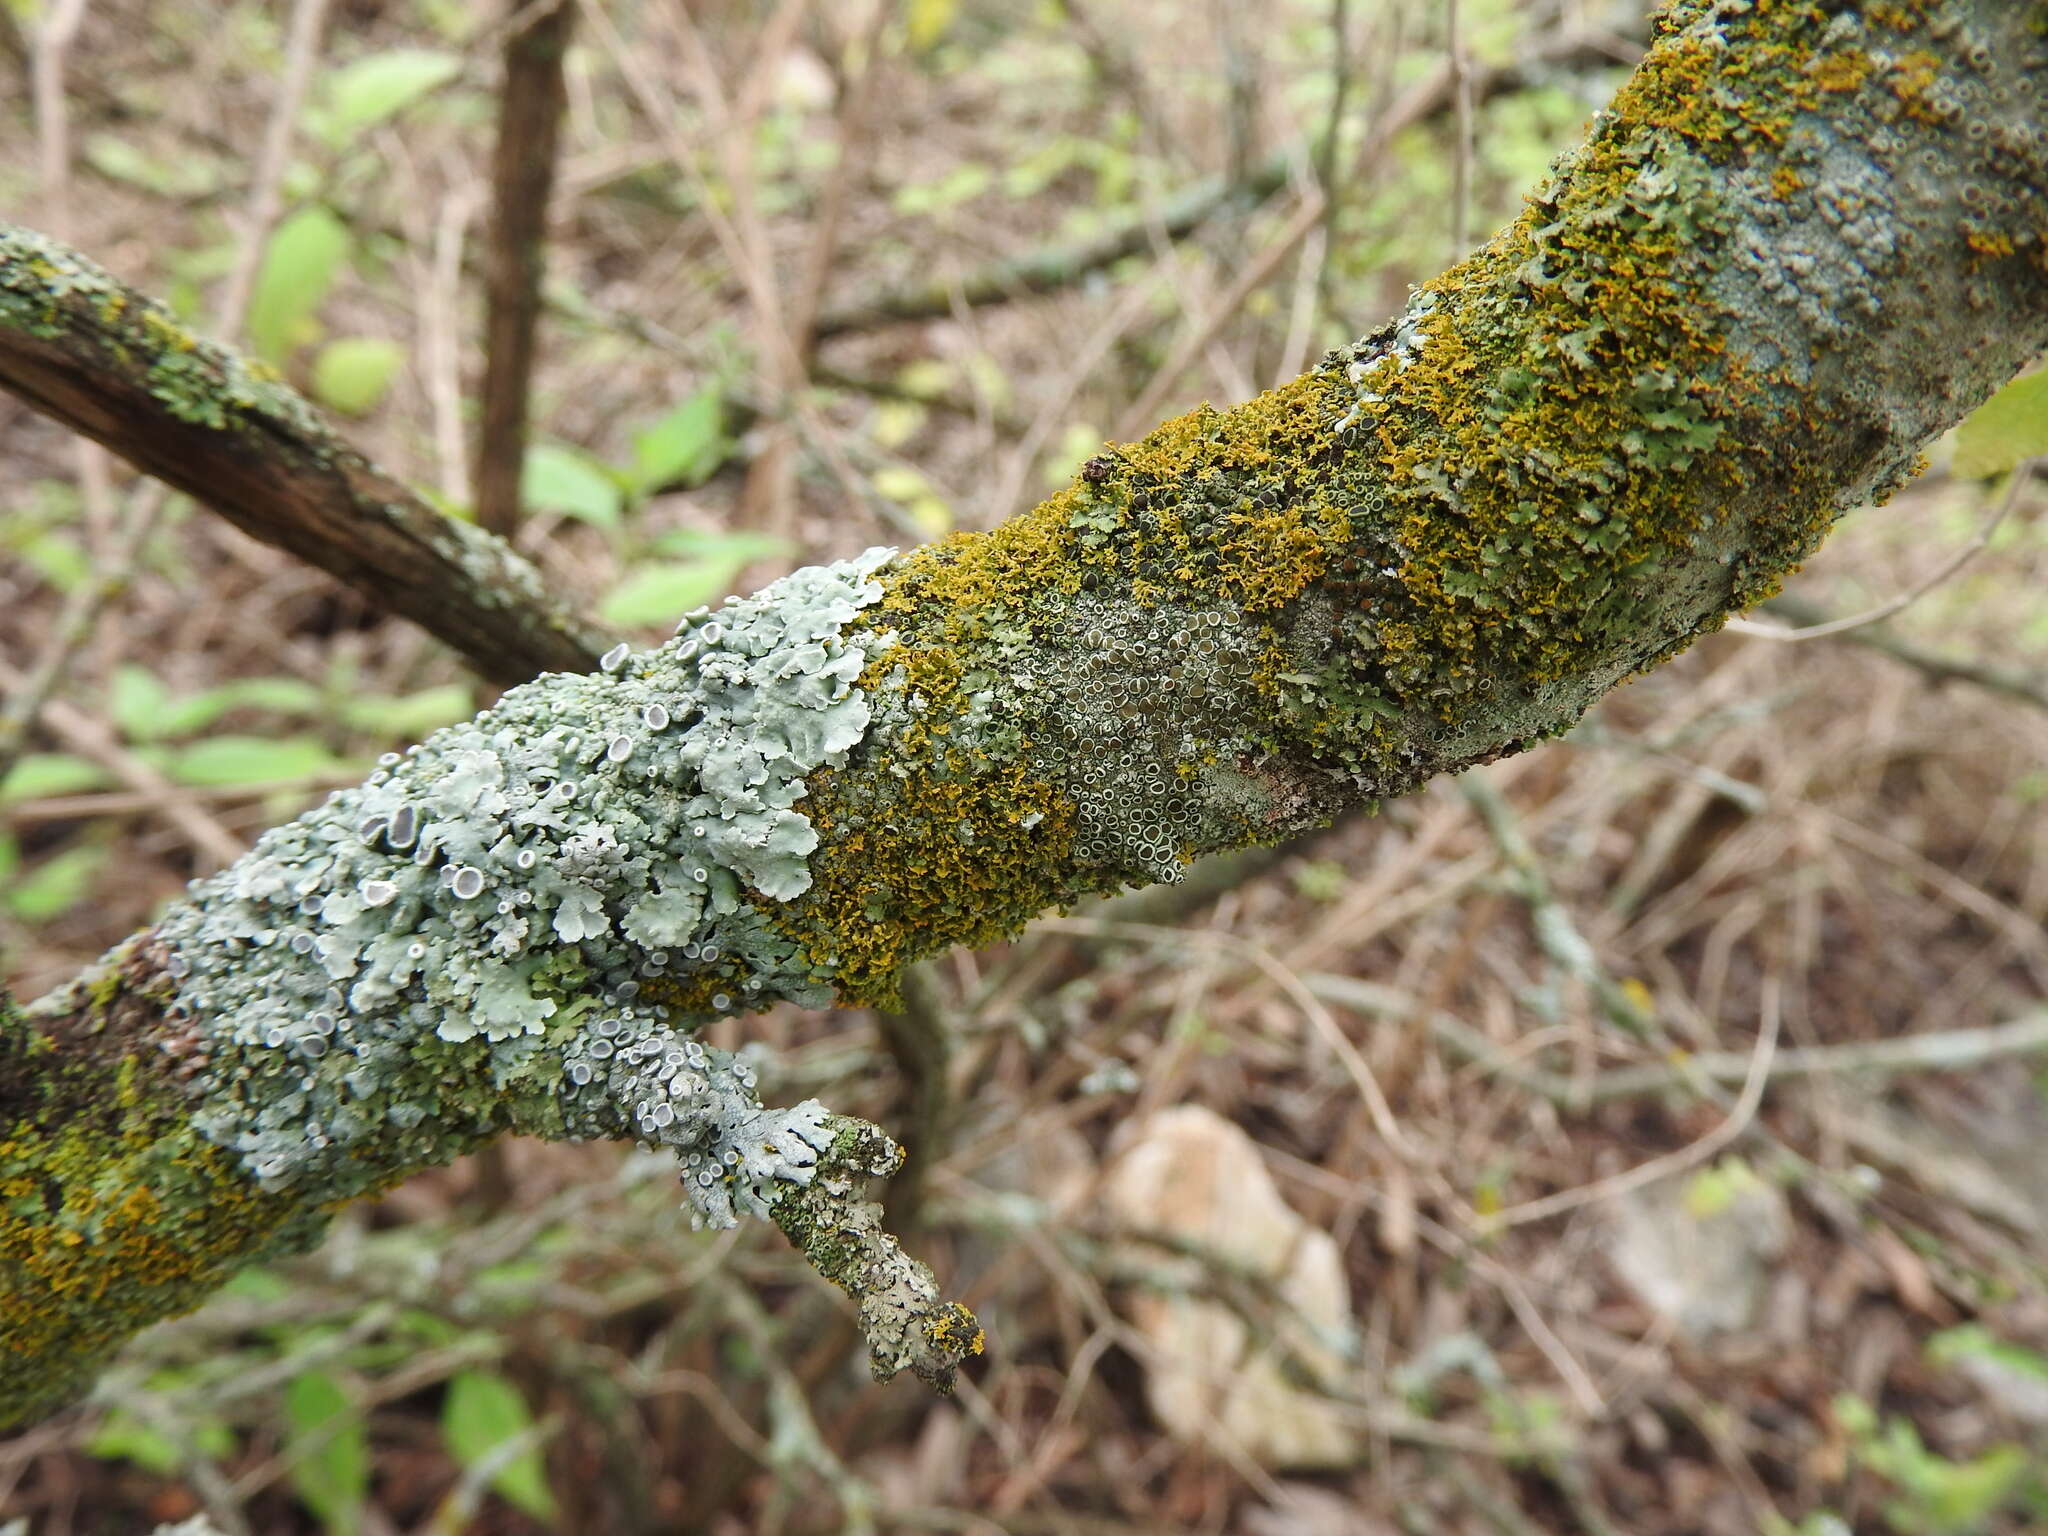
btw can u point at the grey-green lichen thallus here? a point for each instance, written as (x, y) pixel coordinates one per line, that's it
(521, 920)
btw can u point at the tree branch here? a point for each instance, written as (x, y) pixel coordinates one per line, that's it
(107, 362)
(1625, 417)
(530, 103)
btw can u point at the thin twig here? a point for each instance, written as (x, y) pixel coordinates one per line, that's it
(1938, 668)
(530, 102)
(1144, 410)
(1304, 998)
(1949, 1050)
(1731, 1127)
(1061, 266)
(266, 187)
(1556, 933)
(84, 604)
(2017, 482)
(1461, 111)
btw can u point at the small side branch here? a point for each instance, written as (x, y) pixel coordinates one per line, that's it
(90, 352)
(902, 1315)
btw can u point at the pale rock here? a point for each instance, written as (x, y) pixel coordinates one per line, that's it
(1189, 1174)
(1698, 1250)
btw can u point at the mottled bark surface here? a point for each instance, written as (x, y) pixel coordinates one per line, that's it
(1798, 246)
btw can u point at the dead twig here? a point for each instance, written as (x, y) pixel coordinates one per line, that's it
(530, 103)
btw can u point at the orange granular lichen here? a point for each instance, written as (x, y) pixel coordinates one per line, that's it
(1843, 70)
(953, 857)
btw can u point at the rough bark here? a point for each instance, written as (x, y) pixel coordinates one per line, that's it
(1798, 246)
(118, 367)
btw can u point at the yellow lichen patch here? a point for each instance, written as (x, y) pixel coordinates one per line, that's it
(1269, 558)
(1843, 70)
(971, 573)
(102, 1235)
(1283, 427)
(951, 857)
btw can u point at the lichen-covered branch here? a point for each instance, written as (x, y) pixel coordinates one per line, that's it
(84, 348)
(1800, 244)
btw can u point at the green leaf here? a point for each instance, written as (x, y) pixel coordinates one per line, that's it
(927, 22)
(187, 176)
(372, 90)
(58, 559)
(138, 701)
(685, 447)
(659, 593)
(229, 761)
(962, 184)
(2012, 425)
(280, 695)
(739, 546)
(560, 479)
(54, 886)
(330, 1451)
(352, 374)
(299, 268)
(412, 715)
(38, 775)
(1973, 1341)
(123, 1437)
(481, 1412)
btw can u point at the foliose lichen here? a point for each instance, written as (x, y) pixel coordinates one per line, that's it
(522, 918)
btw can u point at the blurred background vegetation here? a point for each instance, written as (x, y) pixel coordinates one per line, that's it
(1676, 1223)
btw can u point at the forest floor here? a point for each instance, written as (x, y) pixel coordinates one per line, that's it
(1645, 1134)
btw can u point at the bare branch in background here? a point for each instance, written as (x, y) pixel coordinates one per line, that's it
(530, 104)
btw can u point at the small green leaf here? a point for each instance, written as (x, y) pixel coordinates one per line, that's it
(560, 479)
(329, 1450)
(482, 1411)
(38, 775)
(187, 176)
(412, 715)
(740, 547)
(685, 447)
(352, 374)
(361, 95)
(123, 1437)
(138, 701)
(58, 559)
(658, 593)
(230, 761)
(2012, 425)
(962, 184)
(927, 22)
(54, 886)
(299, 267)
(280, 695)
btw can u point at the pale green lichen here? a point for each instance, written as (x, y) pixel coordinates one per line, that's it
(570, 879)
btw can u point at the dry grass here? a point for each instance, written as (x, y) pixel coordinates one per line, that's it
(1807, 831)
